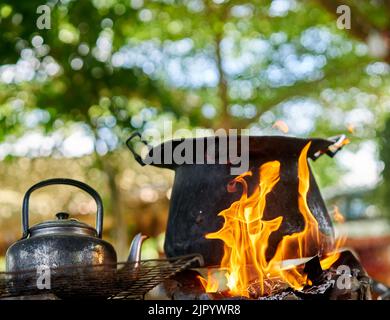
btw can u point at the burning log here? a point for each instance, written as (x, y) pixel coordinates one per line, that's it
(326, 284)
(267, 288)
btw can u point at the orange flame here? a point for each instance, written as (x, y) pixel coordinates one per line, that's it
(211, 284)
(245, 235)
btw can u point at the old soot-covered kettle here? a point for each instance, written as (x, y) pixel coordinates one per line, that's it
(60, 242)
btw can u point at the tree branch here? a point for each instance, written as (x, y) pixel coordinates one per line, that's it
(222, 14)
(304, 89)
(361, 27)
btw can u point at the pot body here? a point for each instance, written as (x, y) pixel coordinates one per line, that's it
(200, 192)
(58, 250)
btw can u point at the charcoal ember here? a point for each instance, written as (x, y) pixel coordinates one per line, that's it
(351, 288)
(220, 296)
(183, 286)
(335, 288)
(254, 290)
(270, 286)
(285, 295)
(351, 281)
(322, 289)
(345, 280)
(288, 296)
(236, 298)
(163, 291)
(174, 290)
(316, 292)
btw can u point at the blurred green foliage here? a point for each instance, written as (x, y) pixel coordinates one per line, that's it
(116, 66)
(384, 188)
(91, 32)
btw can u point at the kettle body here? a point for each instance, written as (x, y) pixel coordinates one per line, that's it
(61, 242)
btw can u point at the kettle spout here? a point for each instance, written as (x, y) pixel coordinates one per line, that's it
(135, 249)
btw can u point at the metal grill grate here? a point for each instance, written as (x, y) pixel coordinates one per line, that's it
(114, 281)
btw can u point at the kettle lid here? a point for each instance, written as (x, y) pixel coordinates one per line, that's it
(62, 225)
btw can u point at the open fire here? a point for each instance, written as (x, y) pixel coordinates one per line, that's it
(246, 234)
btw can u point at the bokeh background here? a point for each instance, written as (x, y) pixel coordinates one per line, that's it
(72, 94)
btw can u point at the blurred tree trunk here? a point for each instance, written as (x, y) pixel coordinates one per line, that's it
(114, 208)
(216, 27)
(119, 227)
(225, 119)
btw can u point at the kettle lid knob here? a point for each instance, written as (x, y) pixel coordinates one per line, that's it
(62, 215)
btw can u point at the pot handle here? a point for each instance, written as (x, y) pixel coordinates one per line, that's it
(338, 143)
(137, 157)
(70, 182)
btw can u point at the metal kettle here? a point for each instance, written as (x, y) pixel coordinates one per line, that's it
(60, 242)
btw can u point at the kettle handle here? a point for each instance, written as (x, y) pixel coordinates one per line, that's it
(137, 157)
(64, 181)
(337, 143)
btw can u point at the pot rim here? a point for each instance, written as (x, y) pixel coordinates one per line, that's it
(268, 145)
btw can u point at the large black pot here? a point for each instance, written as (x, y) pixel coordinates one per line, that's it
(200, 192)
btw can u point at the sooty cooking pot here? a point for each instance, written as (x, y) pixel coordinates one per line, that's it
(200, 191)
(61, 242)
